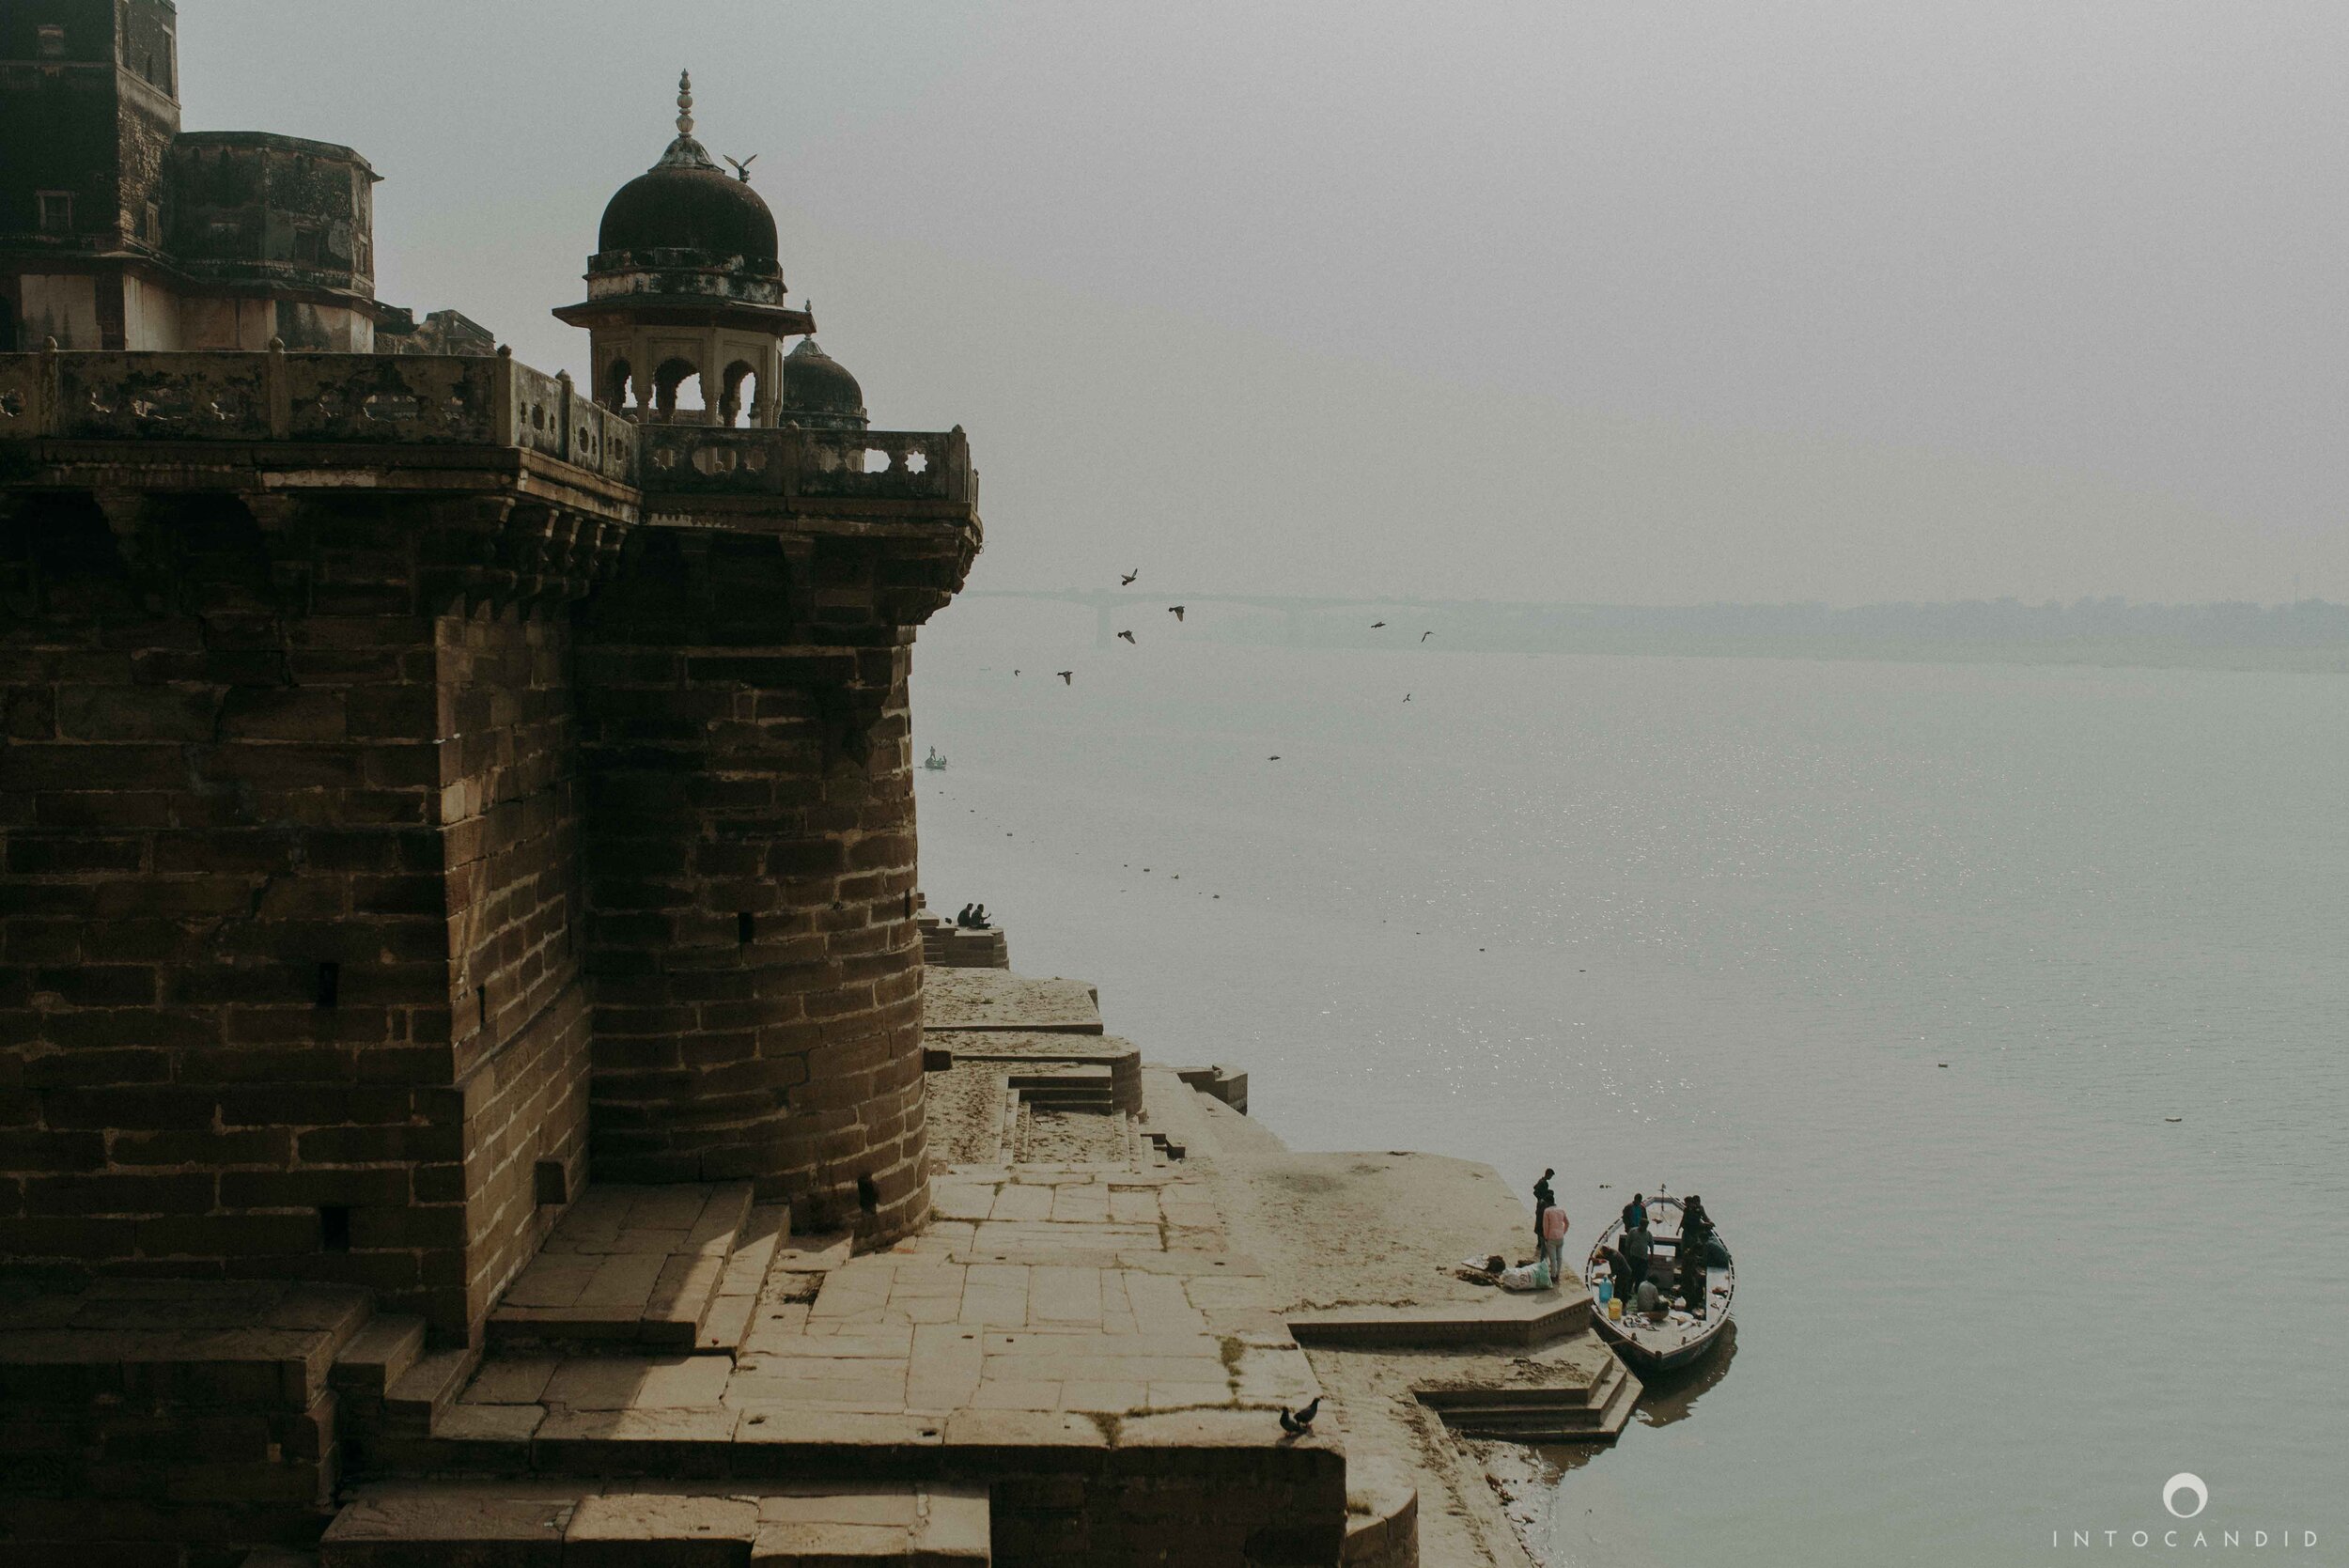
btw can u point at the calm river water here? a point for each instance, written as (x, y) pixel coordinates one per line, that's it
(1906, 968)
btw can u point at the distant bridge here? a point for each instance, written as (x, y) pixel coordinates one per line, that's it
(1298, 608)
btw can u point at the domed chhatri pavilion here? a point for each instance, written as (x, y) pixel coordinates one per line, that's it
(685, 284)
(818, 392)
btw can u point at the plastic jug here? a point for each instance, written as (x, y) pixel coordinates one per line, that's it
(1614, 1311)
(1606, 1291)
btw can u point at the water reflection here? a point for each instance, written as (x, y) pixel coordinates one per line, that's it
(1665, 1397)
(1670, 1396)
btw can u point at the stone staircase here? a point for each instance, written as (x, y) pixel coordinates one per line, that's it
(1537, 1411)
(629, 1265)
(613, 1365)
(1079, 1089)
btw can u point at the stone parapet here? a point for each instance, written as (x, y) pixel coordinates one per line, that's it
(218, 399)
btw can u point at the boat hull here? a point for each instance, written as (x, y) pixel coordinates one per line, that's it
(1641, 1357)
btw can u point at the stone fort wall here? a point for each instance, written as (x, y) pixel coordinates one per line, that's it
(368, 896)
(279, 827)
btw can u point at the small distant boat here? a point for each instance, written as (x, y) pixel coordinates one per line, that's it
(936, 761)
(1681, 1337)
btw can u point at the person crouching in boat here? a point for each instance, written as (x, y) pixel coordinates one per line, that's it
(1619, 1271)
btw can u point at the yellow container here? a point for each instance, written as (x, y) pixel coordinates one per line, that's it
(1614, 1310)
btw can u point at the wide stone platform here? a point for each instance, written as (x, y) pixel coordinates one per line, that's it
(626, 1524)
(991, 999)
(1075, 1342)
(1438, 1359)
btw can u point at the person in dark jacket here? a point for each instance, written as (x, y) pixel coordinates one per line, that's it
(1692, 1278)
(1638, 1249)
(1544, 1197)
(1635, 1213)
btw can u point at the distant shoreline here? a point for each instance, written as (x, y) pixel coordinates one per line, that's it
(2115, 654)
(2309, 637)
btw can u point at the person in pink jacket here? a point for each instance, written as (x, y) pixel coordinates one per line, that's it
(1554, 1241)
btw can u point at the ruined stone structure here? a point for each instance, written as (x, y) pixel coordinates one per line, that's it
(426, 787)
(120, 230)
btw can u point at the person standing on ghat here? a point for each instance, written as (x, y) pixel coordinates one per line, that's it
(1544, 1198)
(1553, 1224)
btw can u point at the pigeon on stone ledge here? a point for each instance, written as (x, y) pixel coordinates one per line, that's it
(1295, 1421)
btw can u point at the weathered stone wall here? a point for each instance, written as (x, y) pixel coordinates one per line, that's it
(249, 206)
(168, 1422)
(751, 854)
(510, 834)
(254, 785)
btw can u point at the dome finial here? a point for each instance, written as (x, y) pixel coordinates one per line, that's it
(685, 153)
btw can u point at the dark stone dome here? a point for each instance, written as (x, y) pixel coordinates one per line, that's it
(680, 206)
(818, 390)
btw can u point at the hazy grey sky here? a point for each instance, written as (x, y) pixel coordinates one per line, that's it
(1637, 303)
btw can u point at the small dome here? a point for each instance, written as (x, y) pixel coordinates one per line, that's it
(685, 203)
(681, 206)
(818, 392)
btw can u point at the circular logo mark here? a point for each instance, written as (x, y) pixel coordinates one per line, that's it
(2190, 1483)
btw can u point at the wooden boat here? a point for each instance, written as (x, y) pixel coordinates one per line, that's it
(1681, 1337)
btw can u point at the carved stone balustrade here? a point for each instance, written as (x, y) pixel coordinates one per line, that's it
(59, 404)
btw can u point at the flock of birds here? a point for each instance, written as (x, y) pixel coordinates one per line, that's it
(1126, 580)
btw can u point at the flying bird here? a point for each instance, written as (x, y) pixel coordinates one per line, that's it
(1015, 672)
(1175, 611)
(1067, 677)
(743, 167)
(1274, 757)
(1425, 635)
(1376, 624)
(1126, 580)
(1407, 696)
(1129, 637)
(1295, 1421)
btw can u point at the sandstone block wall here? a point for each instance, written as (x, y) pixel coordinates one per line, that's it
(365, 851)
(751, 855)
(168, 1422)
(509, 808)
(253, 781)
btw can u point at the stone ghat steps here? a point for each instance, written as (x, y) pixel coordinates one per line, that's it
(492, 1524)
(1083, 1089)
(644, 1265)
(1565, 1414)
(1496, 1318)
